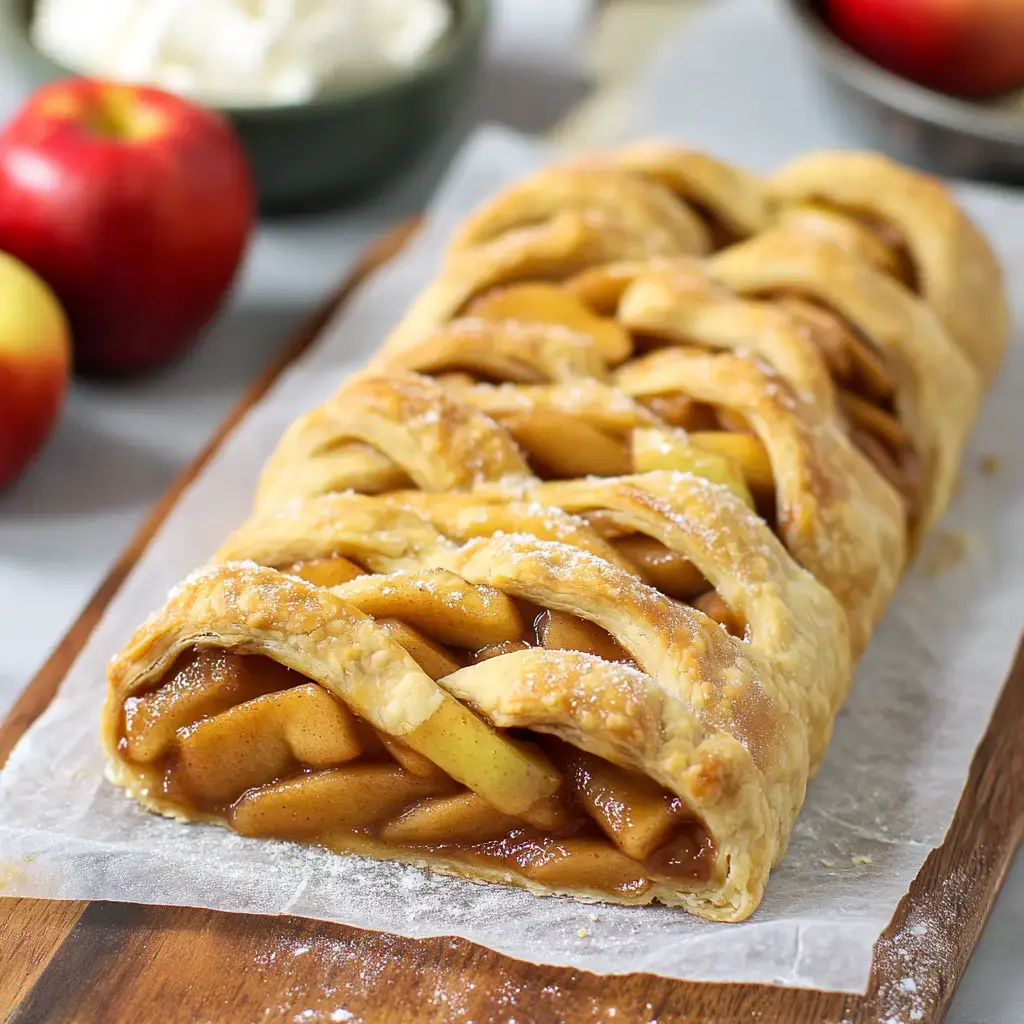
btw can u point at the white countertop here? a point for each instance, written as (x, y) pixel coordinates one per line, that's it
(118, 446)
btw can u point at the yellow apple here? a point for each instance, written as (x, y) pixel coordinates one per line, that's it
(35, 357)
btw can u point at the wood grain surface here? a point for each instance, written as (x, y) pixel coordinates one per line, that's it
(110, 963)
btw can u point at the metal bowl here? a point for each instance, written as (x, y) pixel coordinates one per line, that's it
(938, 133)
(315, 153)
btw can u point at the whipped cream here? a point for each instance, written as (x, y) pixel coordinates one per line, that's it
(262, 52)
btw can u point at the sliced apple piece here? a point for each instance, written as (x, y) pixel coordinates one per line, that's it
(550, 304)
(440, 603)
(747, 450)
(898, 470)
(714, 607)
(256, 742)
(581, 864)
(850, 359)
(869, 417)
(688, 854)
(670, 571)
(409, 759)
(497, 650)
(634, 812)
(464, 818)
(204, 681)
(602, 287)
(731, 420)
(669, 449)
(325, 572)
(436, 660)
(316, 803)
(675, 408)
(560, 631)
(679, 410)
(564, 446)
(550, 813)
(510, 775)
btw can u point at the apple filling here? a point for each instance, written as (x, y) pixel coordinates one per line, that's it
(245, 741)
(564, 445)
(657, 565)
(866, 392)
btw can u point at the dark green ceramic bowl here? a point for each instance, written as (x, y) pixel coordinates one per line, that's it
(314, 154)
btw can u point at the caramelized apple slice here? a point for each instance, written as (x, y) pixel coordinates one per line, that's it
(559, 631)
(205, 681)
(550, 813)
(731, 420)
(550, 304)
(602, 287)
(310, 805)
(437, 661)
(669, 449)
(679, 410)
(633, 811)
(675, 408)
(510, 775)
(670, 571)
(747, 450)
(325, 572)
(256, 742)
(870, 418)
(898, 471)
(850, 359)
(689, 853)
(579, 864)
(412, 762)
(441, 604)
(714, 607)
(497, 650)
(564, 446)
(463, 818)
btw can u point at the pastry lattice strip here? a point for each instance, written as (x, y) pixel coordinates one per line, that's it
(565, 589)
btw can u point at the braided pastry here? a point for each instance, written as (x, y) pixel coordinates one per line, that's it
(566, 588)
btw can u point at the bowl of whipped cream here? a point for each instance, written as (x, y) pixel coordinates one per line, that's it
(330, 97)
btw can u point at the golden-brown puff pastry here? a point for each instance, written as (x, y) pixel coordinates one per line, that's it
(950, 263)
(929, 384)
(732, 203)
(565, 590)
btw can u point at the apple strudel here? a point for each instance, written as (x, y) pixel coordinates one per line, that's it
(565, 589)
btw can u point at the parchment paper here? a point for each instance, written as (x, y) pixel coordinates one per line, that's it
(882, 800)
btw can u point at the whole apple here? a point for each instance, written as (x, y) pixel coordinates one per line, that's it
(35, 359)
(970, 48)
(135, 206)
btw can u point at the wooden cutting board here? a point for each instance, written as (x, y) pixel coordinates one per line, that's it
(109, 963)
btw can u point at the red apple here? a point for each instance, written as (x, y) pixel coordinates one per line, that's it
(35, 356)
(134, 205)
(971, 48)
